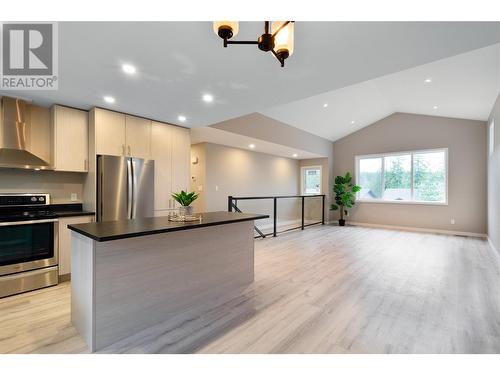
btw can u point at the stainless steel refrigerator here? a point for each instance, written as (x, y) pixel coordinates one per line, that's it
(125, 188)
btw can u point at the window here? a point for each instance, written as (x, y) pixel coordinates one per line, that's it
(491, 137)
(414, 177)
(311, 180)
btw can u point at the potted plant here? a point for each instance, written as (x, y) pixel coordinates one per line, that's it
(345, 195)
(185, 199)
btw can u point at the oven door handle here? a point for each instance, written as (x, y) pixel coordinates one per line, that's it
(28, 222)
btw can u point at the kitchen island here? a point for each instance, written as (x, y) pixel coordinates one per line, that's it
(128, 276)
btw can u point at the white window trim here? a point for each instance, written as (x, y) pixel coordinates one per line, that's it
(302, 177)
(412, 152)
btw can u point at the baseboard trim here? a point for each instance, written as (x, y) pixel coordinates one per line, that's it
(417, 229)
(493, 246)
(63, 278)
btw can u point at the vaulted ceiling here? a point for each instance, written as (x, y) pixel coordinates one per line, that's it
(178, 62)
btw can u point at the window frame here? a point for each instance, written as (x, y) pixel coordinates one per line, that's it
(303, 175)
(399, 153)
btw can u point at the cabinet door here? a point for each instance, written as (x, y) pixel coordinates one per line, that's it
(138, 137)
(65, 241)
(70, 139)
(109, 132)
(161, 152)
(181, 157)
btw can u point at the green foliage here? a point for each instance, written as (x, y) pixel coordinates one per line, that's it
(428, 185)
(345, 194)
(396, 177)
(184, 198)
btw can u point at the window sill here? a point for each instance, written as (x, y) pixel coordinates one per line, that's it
(379, 201)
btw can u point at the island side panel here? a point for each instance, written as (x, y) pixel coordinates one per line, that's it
(82, 287)
(143, 281)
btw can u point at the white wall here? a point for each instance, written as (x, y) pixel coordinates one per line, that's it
(59, 185)
(494, 180)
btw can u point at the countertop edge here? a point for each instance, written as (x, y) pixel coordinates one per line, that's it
(163, 230)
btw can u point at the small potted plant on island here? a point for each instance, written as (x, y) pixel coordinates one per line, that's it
(185, 199)
(345, 195)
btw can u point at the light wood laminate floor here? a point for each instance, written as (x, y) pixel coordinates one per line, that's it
(323, 290)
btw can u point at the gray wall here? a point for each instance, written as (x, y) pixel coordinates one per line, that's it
(232, 171)
(59, 185)
(494, 181)
(466, 143)
(258, 126)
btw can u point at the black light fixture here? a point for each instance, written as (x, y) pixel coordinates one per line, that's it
(278, 39)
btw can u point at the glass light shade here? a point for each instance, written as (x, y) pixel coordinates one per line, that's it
(233, 25)
(283, 41)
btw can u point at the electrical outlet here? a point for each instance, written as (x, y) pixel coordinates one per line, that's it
(74, 197)
(200, 187)
(452, 221)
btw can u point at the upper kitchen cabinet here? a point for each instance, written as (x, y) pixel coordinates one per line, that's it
(170, 149)
(138, 137)
(161, 152)
(69, 133)
(119, 134)
(109, 132)
(181, 157)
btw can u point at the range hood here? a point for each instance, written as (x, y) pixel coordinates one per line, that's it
(15, 134)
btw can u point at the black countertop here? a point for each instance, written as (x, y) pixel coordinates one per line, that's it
(115, 230)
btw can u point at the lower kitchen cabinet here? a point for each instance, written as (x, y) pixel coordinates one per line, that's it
(65, 241)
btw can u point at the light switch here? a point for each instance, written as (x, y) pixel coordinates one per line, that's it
(200, 187)
(216, 187)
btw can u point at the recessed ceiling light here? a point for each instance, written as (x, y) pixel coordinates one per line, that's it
(251, 145)
(129, 69)
(109, 99)
(295, 155)
(428, 80)
(325, 105)
(352, 122)
(181, 118)
(435, 107)
(208, 98)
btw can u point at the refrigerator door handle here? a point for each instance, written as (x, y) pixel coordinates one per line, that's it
(130, 188)
(135, 189)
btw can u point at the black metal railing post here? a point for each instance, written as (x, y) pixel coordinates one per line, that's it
(232, 206)
(275, 209)
(323, 210)
(302, 217)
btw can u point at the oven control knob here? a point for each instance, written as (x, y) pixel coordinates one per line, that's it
(33, 199)
(41, 199)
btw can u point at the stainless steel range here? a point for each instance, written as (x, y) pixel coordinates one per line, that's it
(28, 243)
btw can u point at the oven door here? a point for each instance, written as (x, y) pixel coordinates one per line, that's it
(28, 245)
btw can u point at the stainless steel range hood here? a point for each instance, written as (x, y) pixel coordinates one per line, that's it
(15, 134)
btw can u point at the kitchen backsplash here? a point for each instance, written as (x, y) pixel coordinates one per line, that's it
(60, 185)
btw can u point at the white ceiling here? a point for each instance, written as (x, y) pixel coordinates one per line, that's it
(463, 86)
(222, 137)
(179, 61)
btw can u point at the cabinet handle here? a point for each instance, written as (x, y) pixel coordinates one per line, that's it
(128, 150)
(123, 149)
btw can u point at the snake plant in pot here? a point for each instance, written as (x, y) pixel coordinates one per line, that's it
(345, 195)
(185, 199)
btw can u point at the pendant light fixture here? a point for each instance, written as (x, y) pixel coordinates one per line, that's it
(277, 37)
